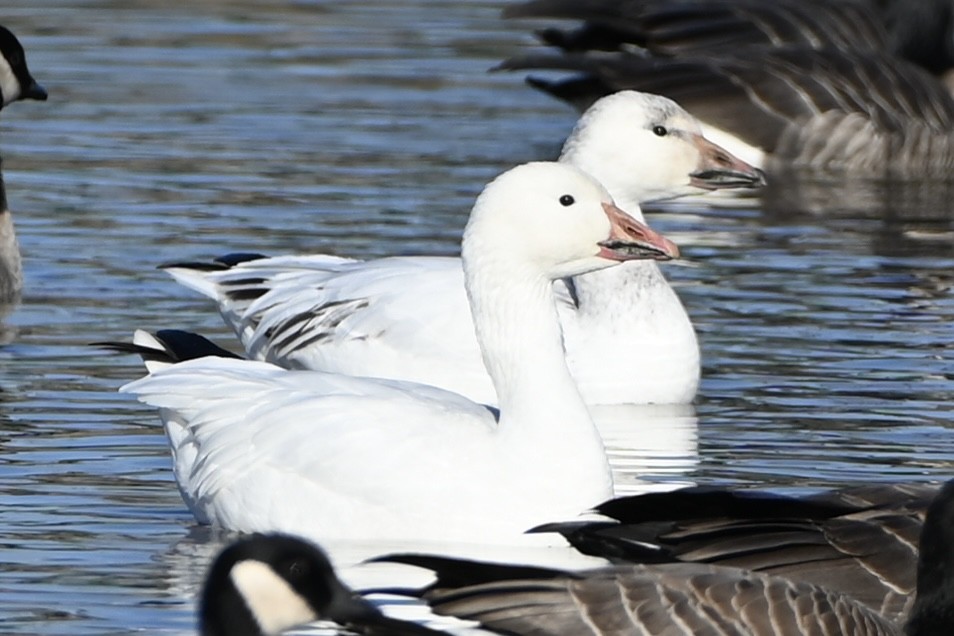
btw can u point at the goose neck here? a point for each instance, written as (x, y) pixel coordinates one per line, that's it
(522, 346)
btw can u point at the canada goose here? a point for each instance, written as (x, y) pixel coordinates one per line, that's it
(861, 541)
(792, 91)
(16, 83)
(663, 599)
(675, 599)
(267, 583)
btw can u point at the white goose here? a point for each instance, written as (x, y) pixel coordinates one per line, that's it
(260, 448)
(628, 337)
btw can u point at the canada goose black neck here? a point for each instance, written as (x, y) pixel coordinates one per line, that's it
(933, 611)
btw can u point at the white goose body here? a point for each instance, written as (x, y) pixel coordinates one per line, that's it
(260, 448)
(628, 337)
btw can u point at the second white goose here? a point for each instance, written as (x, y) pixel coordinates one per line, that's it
(628, 337)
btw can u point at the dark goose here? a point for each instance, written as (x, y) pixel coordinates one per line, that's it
(812, 85)
(16, 83)
(699, 598)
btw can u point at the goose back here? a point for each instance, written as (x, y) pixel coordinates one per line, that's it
(858, 541)
(674, 28)
(679, 599)
(848, 112)
(813, 85)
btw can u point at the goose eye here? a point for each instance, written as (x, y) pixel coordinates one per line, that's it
(566, 200)
(660, 131)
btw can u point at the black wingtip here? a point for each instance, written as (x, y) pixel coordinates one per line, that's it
(186, 345)
(579, 91)
(563, 527)
(148, 354)
(712, 501)
(178, 346)
(236, 258)
(118, 347)
(453, 572)
(220, 263)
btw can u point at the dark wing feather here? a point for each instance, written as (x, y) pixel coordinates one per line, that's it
(860, 541)
(814, 83)
(705, 87)
(891, 496)
(663, 600)
(763, 97)
(691, 27)
(178, 346)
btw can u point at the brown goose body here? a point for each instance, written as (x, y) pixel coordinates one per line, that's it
(812, 85)
(860, 541)
(675, 599)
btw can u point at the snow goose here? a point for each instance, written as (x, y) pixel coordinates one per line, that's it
(16, 83)
(861, 541)
(845, 107)
(676, 599)
(407, 318)
(265, 584)
(259, 448)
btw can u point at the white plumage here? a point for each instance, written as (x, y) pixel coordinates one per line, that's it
(628, 337)
(260, 448)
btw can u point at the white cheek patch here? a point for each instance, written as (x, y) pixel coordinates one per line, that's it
(273, 602)
(9, 84)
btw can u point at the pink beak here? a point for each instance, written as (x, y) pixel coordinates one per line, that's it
(718, 168)
(631, 240)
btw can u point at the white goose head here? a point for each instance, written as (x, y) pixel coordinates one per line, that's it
(557, 221)
(644, 147)
(15, 79)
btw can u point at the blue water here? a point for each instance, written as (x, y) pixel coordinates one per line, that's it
(366, 130)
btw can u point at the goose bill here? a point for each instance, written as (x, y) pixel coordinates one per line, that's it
(630, 240)
(35, 91)
(718, 168)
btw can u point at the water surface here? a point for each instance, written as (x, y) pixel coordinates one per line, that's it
(186, 133)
